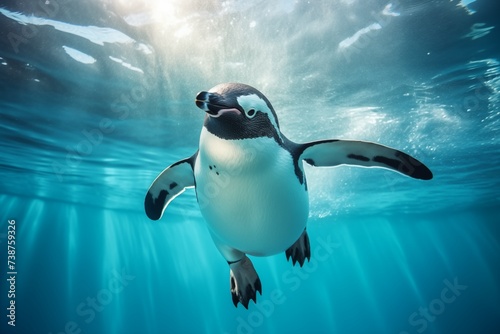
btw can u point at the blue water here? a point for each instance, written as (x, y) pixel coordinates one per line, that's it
(97, 97)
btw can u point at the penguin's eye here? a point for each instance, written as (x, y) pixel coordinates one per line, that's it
(251, 113)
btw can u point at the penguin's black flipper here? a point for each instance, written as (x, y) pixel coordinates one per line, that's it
(169, 184)
(333, 152)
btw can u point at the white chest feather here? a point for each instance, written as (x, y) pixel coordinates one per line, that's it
(249, 194)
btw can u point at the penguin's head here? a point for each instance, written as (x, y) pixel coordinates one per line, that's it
(237, 111)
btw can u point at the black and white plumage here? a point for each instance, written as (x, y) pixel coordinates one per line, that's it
(250, 181)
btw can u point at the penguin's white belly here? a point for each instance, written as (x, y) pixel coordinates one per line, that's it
(249, 195)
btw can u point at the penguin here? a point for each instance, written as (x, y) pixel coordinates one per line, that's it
(250, 183)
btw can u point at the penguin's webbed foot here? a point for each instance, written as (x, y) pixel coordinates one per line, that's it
(300, 250)
(244, 282)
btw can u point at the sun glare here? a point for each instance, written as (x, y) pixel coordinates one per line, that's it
(139, 13)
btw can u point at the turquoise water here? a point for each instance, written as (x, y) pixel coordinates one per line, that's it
(97, 98)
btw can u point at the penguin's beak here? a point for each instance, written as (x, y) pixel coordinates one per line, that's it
(213, 104)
